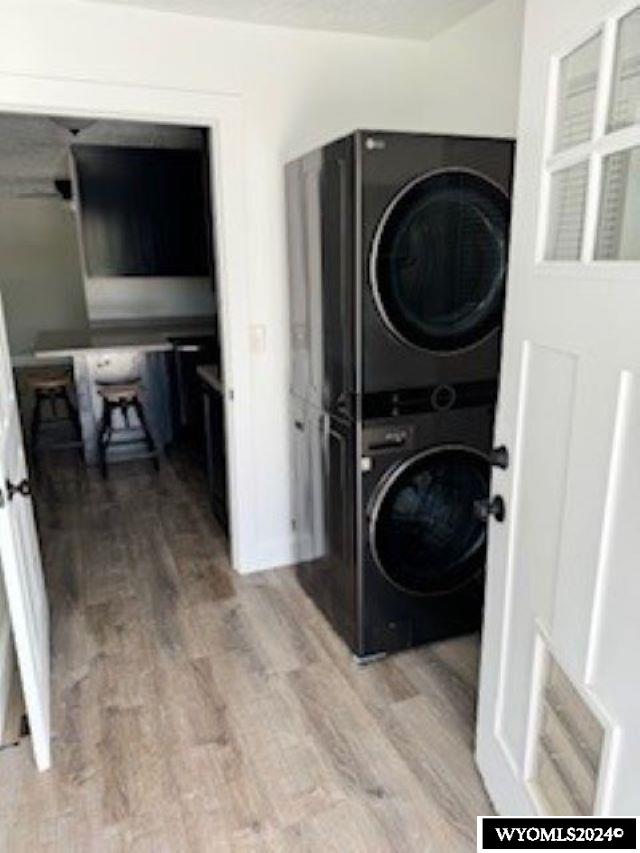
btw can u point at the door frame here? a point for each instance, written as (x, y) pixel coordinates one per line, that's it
(222, 115)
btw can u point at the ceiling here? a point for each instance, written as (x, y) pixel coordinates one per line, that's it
(34, 150)
(420, 19)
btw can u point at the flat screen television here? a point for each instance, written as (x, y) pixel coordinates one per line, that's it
(144, 211)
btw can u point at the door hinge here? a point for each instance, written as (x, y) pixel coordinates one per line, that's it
(22, 488)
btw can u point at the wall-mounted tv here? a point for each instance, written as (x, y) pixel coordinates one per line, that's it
(144, 211)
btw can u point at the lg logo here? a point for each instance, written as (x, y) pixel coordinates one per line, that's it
(372, 144)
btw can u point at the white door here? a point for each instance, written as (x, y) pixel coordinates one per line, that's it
(559, 698)
(21, 564)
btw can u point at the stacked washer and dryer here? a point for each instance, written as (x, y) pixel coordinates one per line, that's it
(398, 253)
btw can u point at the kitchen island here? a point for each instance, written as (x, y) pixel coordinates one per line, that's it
(120, 353)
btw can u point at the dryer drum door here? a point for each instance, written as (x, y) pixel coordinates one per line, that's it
(439, 261)
(424, 534)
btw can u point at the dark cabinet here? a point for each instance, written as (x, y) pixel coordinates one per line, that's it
(187, 355)
(144, 211)
(216, 451)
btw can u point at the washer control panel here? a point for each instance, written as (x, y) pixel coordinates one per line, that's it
(387, 438)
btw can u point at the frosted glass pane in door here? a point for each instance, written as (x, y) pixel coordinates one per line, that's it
(577, 94)
(566, 213)
(619, 219)
(625, 94)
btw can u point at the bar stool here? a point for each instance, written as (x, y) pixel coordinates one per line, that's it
(124, 397)
(51, 388)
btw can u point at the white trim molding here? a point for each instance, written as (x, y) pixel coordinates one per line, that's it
(223, 115)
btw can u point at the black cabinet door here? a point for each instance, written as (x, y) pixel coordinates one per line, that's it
(187, 355)
(216, 448)
(144, 212)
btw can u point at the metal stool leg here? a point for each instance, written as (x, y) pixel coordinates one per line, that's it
(72, 413)
(151, 445)
(124, 398)
(36, 420)
(104, 436)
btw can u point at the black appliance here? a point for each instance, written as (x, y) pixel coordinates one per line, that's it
(432, 251)
(397, 254)
(395, 554)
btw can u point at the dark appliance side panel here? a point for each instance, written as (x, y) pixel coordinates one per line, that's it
(304, 243)
(339, 296)
(390, 161)
(298, 328)
(330, 579)
(307, 488)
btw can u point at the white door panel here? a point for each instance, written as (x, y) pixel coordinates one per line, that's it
(561, 621)
(21, 565)
(613, 666)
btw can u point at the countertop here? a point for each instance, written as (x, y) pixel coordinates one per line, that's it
(155, 337)
(210, 373)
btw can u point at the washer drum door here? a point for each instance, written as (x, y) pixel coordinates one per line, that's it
(439, 261)
(424, 534)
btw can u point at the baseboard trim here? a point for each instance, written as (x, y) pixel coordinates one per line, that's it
(268, 555)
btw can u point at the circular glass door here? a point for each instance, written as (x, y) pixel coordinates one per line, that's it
(424, 534)
(439, 261)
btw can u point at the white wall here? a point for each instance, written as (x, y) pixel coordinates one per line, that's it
(40, 277)
(145, 297)
(298, 89)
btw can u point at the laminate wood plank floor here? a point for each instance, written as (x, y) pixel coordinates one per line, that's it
(196, 710)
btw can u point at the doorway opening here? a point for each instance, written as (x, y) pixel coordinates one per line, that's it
(110, 291)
